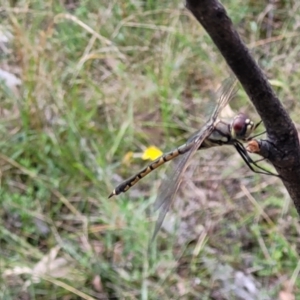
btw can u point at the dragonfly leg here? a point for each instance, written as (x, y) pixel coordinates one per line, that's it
(254, 136)
(250, 162)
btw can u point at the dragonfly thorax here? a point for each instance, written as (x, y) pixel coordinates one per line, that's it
(241, 127)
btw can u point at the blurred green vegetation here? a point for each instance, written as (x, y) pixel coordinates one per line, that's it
(100, 79)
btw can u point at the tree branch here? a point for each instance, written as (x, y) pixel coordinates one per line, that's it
(281, 147)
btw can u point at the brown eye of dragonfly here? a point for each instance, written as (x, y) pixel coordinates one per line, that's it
(241, 126)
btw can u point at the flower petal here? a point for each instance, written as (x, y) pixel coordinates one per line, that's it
(151, 153)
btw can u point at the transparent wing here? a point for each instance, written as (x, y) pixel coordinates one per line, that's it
(170, 185)
(225, 94)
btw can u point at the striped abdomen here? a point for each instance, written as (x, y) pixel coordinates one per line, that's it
(128, 183)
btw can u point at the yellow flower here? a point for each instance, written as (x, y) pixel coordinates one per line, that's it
(151, 153)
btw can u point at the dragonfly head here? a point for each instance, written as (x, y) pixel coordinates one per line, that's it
(242, 127)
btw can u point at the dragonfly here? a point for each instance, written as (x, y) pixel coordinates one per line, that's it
(215, 132)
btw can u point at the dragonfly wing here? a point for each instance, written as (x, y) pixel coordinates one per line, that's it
(226, 93)
(171, 184)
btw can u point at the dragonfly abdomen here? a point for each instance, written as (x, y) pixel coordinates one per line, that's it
(131, 181)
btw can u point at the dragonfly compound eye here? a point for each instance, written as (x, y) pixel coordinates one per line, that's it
(241, 126)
